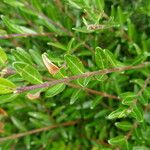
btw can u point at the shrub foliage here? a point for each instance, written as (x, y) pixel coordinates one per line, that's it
(74, 74)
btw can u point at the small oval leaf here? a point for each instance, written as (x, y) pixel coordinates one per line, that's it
(119, 113)
(74, 64)
(137, 113)
(128, 98)
(117, 140)
(100, 58)
(124, 125)
(28, 72)
(75, 96)
(76, 67)
(7, 98)
(21, 55)
(18, 123)
(3, 56)
(56, 89)
(6, 86)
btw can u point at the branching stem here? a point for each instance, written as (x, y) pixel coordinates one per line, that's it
(87, 74)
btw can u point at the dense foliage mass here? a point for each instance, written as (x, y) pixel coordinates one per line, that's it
(74, 74)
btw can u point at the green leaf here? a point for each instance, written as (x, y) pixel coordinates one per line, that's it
(37, 4)
(3, 56)
(57, 110)
(36, 122)
(131, 31)
(27, 30)
(103, 133)
(120, 15)
(60, 74)
(110, 58)
(104, 58)
(102, 113)
(22, 55)
(140, 148)
(101, 62)
(28, 11)
(55, 90)
(117, 140)
(39, 115)
(18, 123)
(107, 35)
(137, 113)
(76, 67)
(100, 5)
(145, 96)
(7, 98)
(69, 46)
(143, 99)
(124, 125)
(6, 86)
(140, 82)
(51, 27)
(36, 57)
(58, 45)
(85, 21)
(27, 141)
(96, 101)
(74, 64)
(139, 59)
(100, 58)
(101, 77)
(113, 11)
(128, 98)
(16, 28)
(127, 145)
(82, 30)
(28, 72)
(75, 96)
(74, 4)
(14, 3)
(119, 113)
(76, 46)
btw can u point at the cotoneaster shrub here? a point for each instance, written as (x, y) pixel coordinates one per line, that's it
(74, 74)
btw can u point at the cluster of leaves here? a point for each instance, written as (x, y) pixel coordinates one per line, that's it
(49, 52)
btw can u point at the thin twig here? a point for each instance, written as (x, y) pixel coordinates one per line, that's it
(19, 135)
(87, 74)
(104, 94)
(9, 71)
(90, 91)
(94, 91)
(8, 36)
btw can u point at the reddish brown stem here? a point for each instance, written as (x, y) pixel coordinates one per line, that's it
(8, 36)
(87, 89)
(19, 135)
(87, 74)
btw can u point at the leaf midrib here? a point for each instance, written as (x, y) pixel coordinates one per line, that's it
(75, 66)
(29, 74)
